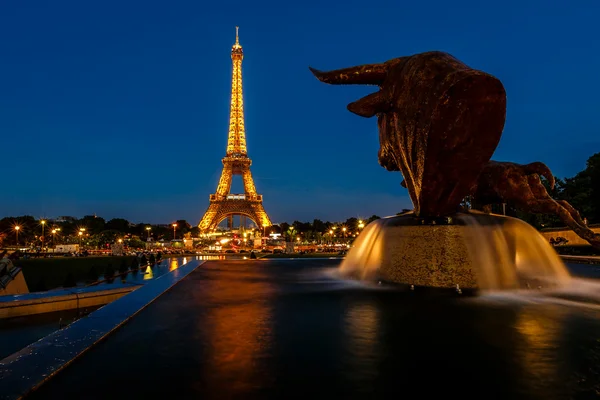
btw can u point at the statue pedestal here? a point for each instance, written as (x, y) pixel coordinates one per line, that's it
(13, 282)
(434, 256)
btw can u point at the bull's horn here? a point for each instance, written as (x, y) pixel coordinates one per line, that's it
(370, 105)
(369, 74)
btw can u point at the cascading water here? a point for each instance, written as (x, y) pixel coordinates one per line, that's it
(364, 258)
(509, 253)
(504, 252)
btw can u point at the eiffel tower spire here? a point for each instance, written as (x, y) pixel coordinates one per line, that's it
(223, 204)
(236, 142)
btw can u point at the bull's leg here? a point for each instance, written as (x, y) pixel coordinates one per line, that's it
(550, 206)
(574, 213)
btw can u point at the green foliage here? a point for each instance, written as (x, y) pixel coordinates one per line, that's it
(291, 233)
(135, 242)
(351, 224)
(318, 226)
(92, 224)
(118, 224)
(373, 218)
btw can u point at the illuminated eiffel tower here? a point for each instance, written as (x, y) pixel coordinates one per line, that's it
(224, 204)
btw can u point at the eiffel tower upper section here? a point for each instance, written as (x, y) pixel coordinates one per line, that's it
(236, 142)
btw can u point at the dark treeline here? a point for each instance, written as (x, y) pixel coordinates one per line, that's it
(95, 230)
(98, 232)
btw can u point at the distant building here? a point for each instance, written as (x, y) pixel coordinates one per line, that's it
(65, 219)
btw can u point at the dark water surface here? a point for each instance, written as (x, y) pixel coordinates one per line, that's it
(288, 329)
(19, 332)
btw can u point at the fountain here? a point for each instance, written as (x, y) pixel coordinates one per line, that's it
(473, 251)
(439, 122)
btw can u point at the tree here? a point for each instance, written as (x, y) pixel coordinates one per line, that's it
(318, 226)
(92, 224)
(283, 227)
(118, 224)
(351, 225)
(291, 234)
(373, 218)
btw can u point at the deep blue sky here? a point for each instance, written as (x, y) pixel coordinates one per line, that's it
(120, 108)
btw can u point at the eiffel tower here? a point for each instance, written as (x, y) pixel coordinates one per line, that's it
(224, 204)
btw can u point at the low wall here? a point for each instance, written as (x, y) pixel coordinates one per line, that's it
(60, 300)
(573, 239)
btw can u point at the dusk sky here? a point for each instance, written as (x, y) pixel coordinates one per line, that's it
(120, 108)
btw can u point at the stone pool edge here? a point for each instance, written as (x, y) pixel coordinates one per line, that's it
(26, 370)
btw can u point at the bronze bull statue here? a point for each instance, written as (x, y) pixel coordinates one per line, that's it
(431, 110)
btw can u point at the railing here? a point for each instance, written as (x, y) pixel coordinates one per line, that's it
(256, 197)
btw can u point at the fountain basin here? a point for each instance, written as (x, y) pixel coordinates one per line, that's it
(467, 251)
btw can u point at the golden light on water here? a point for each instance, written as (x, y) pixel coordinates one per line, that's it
(149, 274)
(238, 327)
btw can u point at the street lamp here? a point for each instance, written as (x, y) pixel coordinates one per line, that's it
(43, 222)
(344, 230)
(17, 227)
(80, 235)
(53, 235)
(148, 228)
(174, 228)
(360, 224)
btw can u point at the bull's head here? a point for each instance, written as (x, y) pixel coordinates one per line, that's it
(439, 122)
(377, 103)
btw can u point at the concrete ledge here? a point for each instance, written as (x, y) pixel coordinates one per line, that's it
(581, 259)
(27, 369)
(39, 303)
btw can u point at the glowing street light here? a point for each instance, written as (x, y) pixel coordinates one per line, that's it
(53, 236)
(148, 228)
(43, 222)
(174, 228)
(17, 228)
(360, 224)
(80, 235)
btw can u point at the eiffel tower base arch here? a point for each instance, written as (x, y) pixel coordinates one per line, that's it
(218, 210)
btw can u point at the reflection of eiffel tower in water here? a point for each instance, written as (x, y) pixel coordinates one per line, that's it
(224, 204)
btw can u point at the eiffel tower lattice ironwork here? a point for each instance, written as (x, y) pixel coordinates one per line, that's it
(224, 204)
